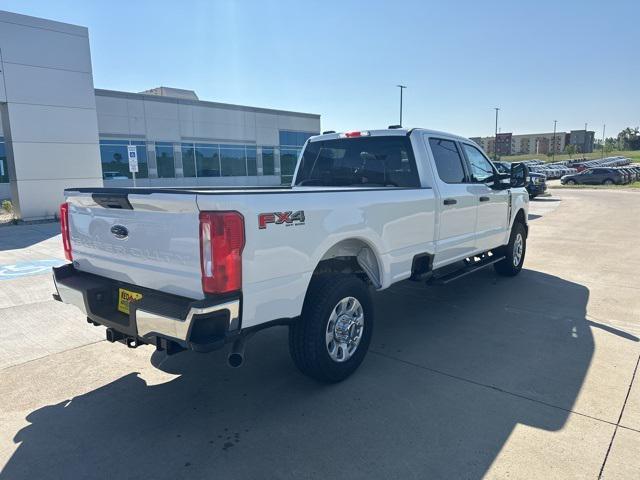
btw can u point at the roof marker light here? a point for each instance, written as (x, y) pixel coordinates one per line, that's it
(354, 134)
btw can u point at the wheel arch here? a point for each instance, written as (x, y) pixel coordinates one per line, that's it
(352, 255)
(521, 217)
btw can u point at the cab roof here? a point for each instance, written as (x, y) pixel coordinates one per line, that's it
(395, 132)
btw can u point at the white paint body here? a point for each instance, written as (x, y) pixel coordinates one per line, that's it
(394, 224)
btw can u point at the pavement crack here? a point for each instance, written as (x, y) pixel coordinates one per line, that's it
(35, 302)
(496, 388)
(49, 355)
(613, 437)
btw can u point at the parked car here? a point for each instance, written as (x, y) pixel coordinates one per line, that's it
(536, 182)
(197, 268)
(594, 176)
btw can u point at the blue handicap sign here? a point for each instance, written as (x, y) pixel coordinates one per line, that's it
(23, 269)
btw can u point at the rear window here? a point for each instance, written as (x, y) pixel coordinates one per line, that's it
(385, 161)
(448, 160)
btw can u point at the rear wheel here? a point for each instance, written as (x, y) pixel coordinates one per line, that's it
(608, 181)
(331, 339)
(514, 252)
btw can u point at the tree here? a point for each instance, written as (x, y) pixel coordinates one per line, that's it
(629, 139)
(570, 150)
(610, 144)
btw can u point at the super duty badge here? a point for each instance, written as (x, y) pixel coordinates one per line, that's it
(281, 218)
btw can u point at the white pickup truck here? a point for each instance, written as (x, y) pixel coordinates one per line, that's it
(196, 268)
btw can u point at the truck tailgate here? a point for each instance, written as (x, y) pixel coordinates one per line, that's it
(149, 240)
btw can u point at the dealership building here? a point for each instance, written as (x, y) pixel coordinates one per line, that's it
(58, 131)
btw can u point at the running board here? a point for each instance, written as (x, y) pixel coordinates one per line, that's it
(485, 261)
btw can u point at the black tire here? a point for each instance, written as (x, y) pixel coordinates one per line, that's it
(307, 336)
(531, 197)
(571, 182)
(508, 267)
(608, 181)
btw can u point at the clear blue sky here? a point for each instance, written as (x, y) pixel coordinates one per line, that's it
(571, 61)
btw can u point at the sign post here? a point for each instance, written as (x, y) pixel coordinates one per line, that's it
(133, 161)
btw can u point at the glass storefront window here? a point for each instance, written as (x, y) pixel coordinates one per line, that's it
(268, 161)
(143, 166)
(208, 160)
(4, 168)
(233, 160)
(115, 166)
(188, 160)
(165, 160)
(252, 163)
(288, 161)
(294, 139)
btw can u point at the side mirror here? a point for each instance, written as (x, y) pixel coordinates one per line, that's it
(519, 174)
(501, 181)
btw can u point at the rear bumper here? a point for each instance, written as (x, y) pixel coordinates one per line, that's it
(158, 318)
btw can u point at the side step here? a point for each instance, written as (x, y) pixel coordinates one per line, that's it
(472, 266)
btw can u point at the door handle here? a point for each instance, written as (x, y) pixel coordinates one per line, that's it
(450, 201)
(484, 199)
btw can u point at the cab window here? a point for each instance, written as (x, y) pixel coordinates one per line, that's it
(448, 160)
(481, 168)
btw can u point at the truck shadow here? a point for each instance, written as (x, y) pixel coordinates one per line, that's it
(429, 401)
(13, 237)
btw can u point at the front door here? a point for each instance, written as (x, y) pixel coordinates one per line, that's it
(493, 205)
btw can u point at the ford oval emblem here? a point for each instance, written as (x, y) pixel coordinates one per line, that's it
(120, 231)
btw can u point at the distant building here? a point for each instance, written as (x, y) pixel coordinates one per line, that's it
(536, 143)
(503, 143)
(583, 140)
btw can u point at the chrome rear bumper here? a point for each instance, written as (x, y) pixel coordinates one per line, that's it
(200, 325)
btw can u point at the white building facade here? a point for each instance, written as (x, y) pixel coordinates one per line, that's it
(58, 131)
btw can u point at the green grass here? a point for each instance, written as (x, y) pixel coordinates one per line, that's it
(634, 185)
(634, 155)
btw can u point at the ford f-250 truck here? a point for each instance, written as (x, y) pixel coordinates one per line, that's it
(196, 268)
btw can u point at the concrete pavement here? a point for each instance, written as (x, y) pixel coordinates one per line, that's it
(484, 378)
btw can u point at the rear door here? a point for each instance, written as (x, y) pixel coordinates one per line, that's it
(149, 240)
(493, 205)
(455, 238)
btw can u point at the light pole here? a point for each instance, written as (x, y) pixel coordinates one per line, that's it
(401, 87)
(495, 141)
(603, 129)
(553, 158)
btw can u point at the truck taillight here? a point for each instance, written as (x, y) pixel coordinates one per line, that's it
(64, 228)
(221, 244)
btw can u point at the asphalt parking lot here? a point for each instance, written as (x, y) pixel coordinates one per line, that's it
(487, 377)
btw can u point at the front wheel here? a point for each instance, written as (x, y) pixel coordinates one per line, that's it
(571, 182)
(514, 252)
(608, 181)
(331, 339)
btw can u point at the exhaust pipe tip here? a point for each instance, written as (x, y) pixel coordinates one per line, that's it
(235, 360)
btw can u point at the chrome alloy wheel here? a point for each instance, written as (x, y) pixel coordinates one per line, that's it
(518, 245)
(344, 329)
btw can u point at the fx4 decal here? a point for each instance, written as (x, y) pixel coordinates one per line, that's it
(280, 218)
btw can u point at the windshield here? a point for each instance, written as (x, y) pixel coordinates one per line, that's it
(363, 161)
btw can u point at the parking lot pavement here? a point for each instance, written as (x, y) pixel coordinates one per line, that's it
(488, 377)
